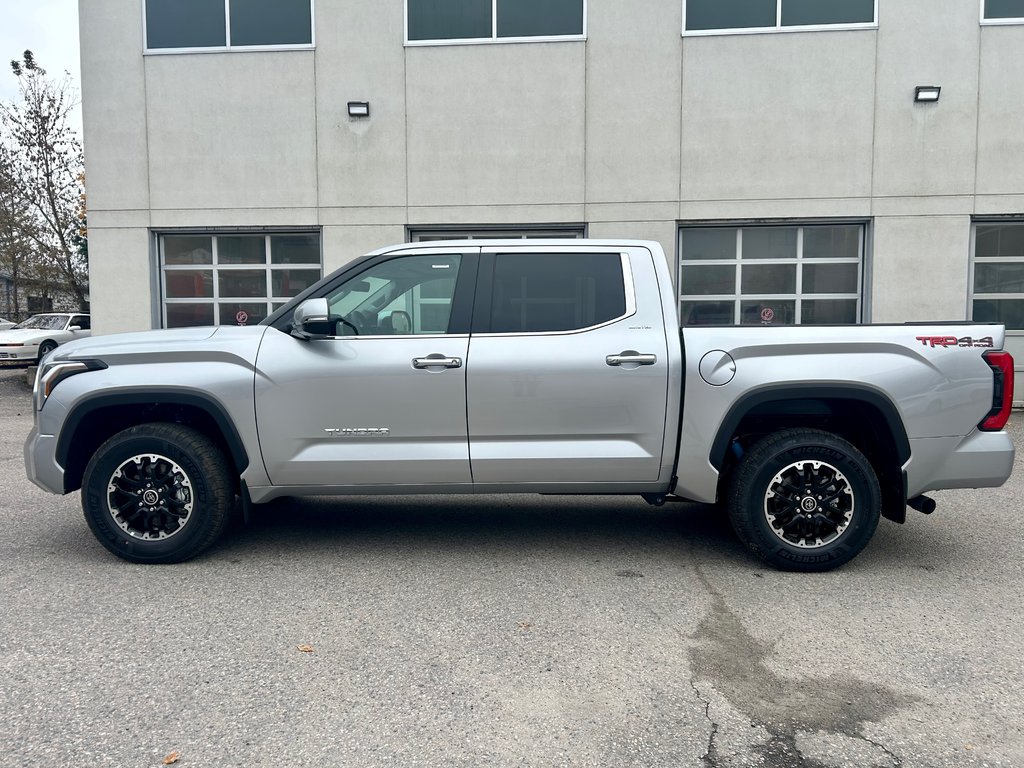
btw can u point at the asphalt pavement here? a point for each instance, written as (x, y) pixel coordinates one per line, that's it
(506, 631)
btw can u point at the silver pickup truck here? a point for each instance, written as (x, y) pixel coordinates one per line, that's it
(521, 366)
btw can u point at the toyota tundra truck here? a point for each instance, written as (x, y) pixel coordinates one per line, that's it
(521, 366)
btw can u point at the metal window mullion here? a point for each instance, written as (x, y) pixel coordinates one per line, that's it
(798, 310)
(861, 237)
(227, 23)
(269, 277)
(494, 19)
(738, 260)
(163, 276)
(215, 247)
(679, 272)
(778, 14)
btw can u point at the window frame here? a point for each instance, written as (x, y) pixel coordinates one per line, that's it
(986, 22)
(974, 259)
(273, 303)
(798, 260)
(493, 39)
(483, 233)
(227, 47)
(778, 26)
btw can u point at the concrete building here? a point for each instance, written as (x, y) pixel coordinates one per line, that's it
(780, 150)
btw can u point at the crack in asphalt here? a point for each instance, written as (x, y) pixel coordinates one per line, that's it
(733, 661)
(710, 757)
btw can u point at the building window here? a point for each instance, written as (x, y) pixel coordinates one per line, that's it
(425, 234)
(771, 275)
(719, 16)
(1002, 11)
(175, 25)
(997, 294)
(436, 21)
(233, 279)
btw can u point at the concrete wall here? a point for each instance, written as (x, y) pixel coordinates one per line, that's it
(632, 131)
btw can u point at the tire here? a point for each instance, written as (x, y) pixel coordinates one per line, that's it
(187, 481)
(45, 348)
(804, 500)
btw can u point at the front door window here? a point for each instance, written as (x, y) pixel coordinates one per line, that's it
(407, 296)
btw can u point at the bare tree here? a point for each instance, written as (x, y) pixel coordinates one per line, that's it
(17, 250)
(43, 168)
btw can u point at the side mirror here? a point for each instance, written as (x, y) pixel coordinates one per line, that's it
(312, 320)
(74, 328)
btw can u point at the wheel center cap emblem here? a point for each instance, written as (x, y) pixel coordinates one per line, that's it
(151, 497)
(809, 504)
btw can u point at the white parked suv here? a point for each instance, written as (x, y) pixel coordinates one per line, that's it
(35, 338)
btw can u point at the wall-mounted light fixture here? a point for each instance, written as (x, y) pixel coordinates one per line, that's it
(359, 109)
(927, 93)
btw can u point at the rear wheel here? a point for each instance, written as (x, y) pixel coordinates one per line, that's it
(804, 500)
(157, 493)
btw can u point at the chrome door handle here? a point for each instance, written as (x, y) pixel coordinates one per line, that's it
(631, 356)
(436, 361)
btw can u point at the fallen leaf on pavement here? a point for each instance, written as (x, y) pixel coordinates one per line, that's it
(304, 648)
(172, 758)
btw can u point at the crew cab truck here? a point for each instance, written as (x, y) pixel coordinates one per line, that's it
(544, 366)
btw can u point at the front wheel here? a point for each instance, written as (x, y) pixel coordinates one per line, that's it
(804, 500)
(157, 493)
(44, 349)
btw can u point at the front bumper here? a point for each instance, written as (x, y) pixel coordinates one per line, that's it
(19, 353)
(41, 461)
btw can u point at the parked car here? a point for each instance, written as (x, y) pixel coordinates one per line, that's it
(34, 339)
(524, 366)
(6, 324)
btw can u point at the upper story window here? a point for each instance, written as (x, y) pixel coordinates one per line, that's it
(1002, 11)
(480, 21)
(724, 16)
(190, 25)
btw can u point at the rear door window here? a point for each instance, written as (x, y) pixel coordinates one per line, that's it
(545, 292)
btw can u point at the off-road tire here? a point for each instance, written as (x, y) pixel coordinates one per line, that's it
(188, 472)
(778, 475)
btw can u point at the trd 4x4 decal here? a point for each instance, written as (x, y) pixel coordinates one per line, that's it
(953, 341)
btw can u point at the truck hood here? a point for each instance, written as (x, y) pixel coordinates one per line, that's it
(172, 345)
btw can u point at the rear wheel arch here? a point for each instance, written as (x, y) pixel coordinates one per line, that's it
(95, 419)
(865, 417)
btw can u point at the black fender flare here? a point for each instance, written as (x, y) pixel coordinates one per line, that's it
(153, 396)
(784, 392)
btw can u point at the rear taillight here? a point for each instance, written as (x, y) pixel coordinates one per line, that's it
(1001, 364)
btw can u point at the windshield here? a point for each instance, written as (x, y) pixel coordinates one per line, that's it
(45, 322)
